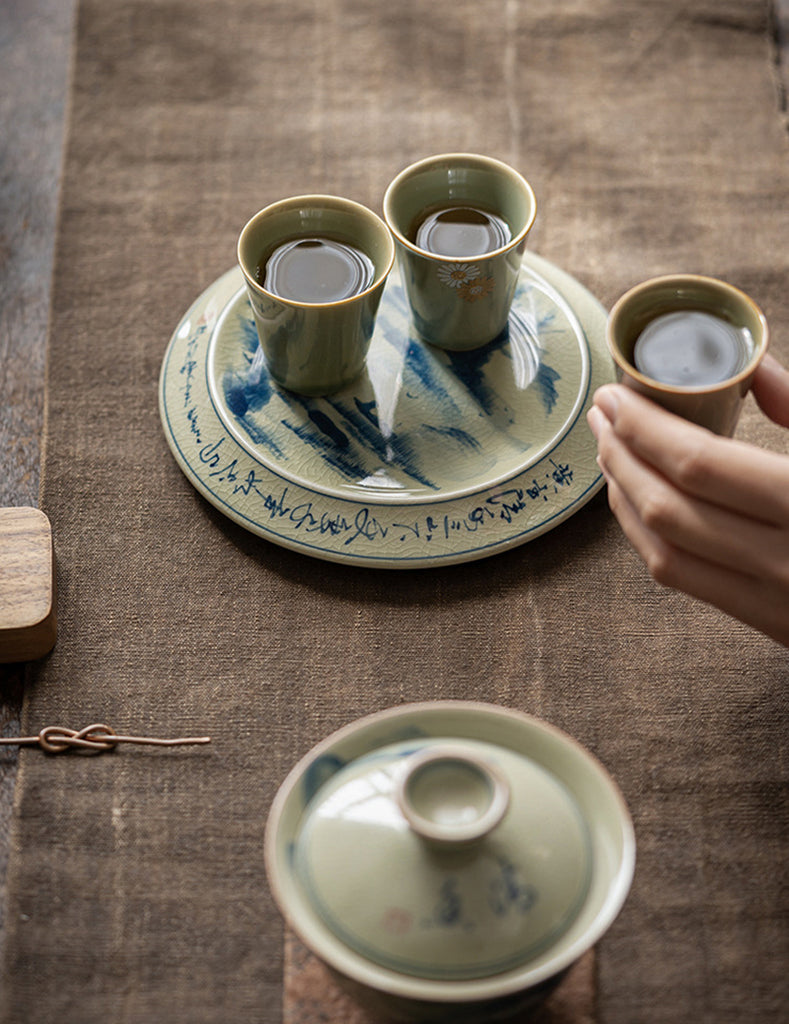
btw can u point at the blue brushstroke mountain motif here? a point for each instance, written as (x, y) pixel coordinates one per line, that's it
(454, 392)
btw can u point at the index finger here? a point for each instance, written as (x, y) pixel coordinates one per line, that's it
(734, 475)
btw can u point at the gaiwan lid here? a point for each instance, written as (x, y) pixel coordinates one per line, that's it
(444, 859)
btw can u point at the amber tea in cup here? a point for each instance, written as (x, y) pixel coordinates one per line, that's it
(691, 348)
(690, 343)
(463, 231)
(315, 270)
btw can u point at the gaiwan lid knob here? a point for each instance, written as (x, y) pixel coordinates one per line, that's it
(445, 859)
(448, 795)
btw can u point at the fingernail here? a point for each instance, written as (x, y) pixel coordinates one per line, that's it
(607, 400)
(595, 420)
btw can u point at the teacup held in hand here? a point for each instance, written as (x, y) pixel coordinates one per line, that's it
(690, 343)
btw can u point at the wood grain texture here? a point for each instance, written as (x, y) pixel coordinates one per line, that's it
(27, 585)
(35, 52)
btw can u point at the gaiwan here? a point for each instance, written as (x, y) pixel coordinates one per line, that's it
(449, 860)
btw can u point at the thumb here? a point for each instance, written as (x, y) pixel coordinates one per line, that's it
(771, 390)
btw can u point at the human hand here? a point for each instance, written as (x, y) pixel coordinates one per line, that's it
(709, 515)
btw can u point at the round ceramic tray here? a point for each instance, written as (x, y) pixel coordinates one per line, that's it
(430, 457)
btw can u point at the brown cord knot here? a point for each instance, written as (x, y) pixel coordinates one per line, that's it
(95, 738)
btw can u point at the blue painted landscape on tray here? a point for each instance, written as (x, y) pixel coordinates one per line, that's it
(452, 392)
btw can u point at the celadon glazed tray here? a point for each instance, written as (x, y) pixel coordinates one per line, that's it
(430, 458)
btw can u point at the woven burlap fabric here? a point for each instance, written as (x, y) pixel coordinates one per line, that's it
(654, 140)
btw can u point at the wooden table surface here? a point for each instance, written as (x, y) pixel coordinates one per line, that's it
(35, 52)
(35, 57)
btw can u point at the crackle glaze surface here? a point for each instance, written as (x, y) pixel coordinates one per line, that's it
(430, 457)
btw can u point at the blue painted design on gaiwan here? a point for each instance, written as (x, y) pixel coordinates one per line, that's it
(317, 774)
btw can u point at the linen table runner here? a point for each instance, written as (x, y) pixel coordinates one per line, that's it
(653, 137)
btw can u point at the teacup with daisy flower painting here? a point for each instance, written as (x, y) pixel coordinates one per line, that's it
(460, 222)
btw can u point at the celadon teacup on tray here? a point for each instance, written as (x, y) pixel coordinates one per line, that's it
(315, 267)
(460, 222)
(449, 860)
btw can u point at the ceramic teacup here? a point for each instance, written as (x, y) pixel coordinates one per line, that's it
(690, 343)
(315, 268)
(460, 299)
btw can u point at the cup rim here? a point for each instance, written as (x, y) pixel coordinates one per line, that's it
(678, 280)
(317, 199)
(481, 160)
